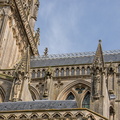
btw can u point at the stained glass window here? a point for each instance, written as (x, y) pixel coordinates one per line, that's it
(70, 96)
(86, 101)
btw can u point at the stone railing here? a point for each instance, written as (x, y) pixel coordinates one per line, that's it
(62, 71)
(61, 114)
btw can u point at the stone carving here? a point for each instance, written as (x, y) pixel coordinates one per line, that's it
(36, 8)
(37, 37)
(96, 84)
(29, 33)
(17, 87)
(49, 73)
(46, 52)
(58, 84)
(21, 77)
(110, 78)
(97, 70)
(1, 17)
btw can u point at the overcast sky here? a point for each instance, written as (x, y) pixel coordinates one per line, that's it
(70, 26)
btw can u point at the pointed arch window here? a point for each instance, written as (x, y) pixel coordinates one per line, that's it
(86, 101)
(70, 96)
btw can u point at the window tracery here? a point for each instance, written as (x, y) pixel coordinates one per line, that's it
(70, 96)
(86, 101)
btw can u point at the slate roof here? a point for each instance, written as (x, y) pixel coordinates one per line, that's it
(38, 105)
(73, 59)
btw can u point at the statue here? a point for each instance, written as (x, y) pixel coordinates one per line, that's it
(96, 84)
(17, 87)
(37, 37)
(46, 52)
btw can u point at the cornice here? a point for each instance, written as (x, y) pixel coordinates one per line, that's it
(26, 26)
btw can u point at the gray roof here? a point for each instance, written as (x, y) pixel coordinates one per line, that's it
(38, 105)
(73, 59)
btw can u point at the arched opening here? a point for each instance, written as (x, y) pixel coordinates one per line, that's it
(77, 71)
(88, 70)
(86, 101)
(43, 73)
(83, 70)
(57, 72)
(67, 71)
(70, 96)
(72, 71)
(33, 74)
(62, 72)
(38, 73)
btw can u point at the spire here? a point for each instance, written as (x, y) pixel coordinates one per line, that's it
(98, 59)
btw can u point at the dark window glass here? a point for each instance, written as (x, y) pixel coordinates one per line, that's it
(86, 101)
(70, 96)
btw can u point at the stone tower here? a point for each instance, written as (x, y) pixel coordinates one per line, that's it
(17, 19)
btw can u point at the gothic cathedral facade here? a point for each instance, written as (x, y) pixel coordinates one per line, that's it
(77, 86)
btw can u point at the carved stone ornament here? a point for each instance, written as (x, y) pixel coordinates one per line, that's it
(111, 69)
(49, 73)
(19, 6)
(37, 37)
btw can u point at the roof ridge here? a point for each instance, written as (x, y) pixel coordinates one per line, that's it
(73, 55)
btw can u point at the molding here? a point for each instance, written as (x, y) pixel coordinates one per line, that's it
(26, 26)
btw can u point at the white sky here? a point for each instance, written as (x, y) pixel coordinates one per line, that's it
(69, 26)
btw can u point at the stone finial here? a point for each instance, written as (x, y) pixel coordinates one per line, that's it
(46, 52)
(100, 41)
